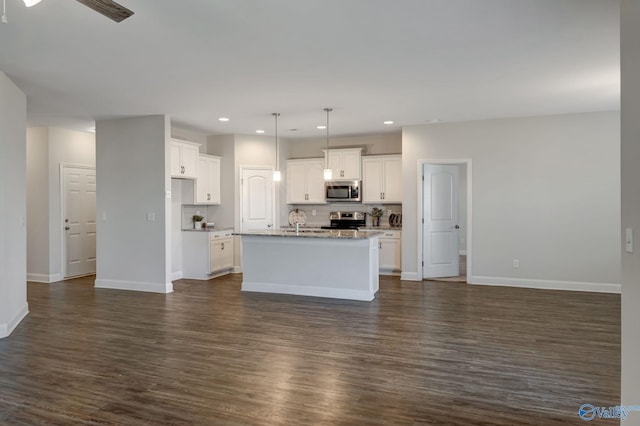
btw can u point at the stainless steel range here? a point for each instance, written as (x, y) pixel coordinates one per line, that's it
(347, 220)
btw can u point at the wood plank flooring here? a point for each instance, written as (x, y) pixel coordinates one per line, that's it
(422, 353)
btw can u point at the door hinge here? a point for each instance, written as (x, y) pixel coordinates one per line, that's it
(423, 221)
(423, 263)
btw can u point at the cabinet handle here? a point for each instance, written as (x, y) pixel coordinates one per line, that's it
(383, 195)
(222, 246)
(379, 244)
(208, 197)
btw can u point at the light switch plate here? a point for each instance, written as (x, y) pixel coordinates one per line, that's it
(628, 239)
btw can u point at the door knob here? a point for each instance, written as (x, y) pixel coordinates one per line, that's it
(457, 227)
(66, 228)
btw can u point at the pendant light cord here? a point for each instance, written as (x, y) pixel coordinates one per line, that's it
(328, 110)
(276, 115)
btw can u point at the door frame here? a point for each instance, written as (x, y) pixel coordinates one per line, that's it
(275, 208)
(420, 224)
(63, 242)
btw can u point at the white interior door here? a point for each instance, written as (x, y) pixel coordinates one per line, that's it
(79, 216)
(440, 228)
(257, 199)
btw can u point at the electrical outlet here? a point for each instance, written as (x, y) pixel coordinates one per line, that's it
(516, 263)
(628, 240)
(151, 217)
(313, 212)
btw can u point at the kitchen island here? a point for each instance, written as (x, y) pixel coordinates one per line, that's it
(340, 264)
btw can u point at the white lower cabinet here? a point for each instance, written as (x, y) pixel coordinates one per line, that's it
(220, 252)
(206, 254)
(391, 252)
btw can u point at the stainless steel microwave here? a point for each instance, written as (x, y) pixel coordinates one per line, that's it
(343, 191)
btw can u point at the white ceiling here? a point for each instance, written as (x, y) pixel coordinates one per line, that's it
(410, 61)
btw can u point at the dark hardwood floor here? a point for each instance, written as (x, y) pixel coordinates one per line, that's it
(421, 353)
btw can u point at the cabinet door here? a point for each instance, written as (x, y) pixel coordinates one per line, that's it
(226, 260)
(390, 254)
(334, 159)
(392, 185)
(176, 161)
(190, 161)
(372, 180)
(296, 182)
(315, 182)
(213, 175)
(221, 252)
(202, 181)
(351, 165)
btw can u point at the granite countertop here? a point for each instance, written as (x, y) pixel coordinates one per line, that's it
(344, 234)
(206, 229)
(382, 228)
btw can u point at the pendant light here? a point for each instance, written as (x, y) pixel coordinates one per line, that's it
(327, 171)
(277, 176)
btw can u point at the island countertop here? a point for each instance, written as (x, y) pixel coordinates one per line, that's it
(345, 234)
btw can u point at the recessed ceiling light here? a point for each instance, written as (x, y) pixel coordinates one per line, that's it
(259, 131)
(321, 127)
(293, 130)
(223, 119)
(388, 122)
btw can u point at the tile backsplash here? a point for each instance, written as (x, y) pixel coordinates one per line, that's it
(189, 210)
(321, 217)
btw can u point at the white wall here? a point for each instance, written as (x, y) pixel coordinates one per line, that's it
(13, 206)
(545, 191)
(133, 178)
(630, 159)
(47, 149)
(38, 204)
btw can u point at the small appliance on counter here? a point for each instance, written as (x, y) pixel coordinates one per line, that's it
(346, 220)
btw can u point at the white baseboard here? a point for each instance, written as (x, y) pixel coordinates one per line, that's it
(389, 273)
(7, 328)
(134, 286)
(546, 284)
(410, 276)
(236, 270)
(44, 278)
(334, 293)
(177, 275)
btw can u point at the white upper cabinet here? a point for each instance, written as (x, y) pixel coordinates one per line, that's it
(305, 182)
(184, 159)
(344, 163)
(382, 179)
(208, 181)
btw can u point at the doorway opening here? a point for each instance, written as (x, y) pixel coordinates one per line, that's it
(445, 225)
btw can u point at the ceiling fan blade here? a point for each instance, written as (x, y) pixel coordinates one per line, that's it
(108, 8)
